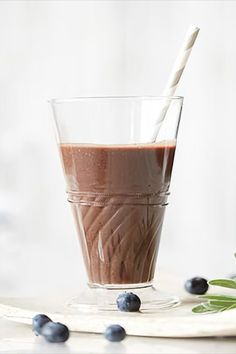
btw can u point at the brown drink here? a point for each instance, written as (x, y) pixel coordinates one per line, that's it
(118, 195)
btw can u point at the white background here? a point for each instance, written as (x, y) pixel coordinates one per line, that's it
(73, 48)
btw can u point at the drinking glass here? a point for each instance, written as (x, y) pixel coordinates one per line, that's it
(117, 155)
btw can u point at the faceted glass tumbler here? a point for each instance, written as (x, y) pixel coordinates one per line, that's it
(117, 154)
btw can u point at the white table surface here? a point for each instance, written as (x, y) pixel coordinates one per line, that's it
(18, 338)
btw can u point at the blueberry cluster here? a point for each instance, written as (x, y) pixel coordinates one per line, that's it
(54, 332)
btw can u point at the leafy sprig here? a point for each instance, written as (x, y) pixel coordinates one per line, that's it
(218, 303)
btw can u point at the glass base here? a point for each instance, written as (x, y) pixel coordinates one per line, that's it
(104, 299)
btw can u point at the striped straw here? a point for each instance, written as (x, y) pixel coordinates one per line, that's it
(176, 73)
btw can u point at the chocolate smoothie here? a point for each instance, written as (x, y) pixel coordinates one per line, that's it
(118, 195)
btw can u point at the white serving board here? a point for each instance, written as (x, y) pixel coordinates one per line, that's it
(176, 323)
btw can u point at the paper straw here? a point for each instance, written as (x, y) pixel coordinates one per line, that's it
(176, 73)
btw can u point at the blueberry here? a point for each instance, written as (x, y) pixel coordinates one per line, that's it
(55, 332)
(115, 333)
(128, 302)
(38, 322)
(196, 286)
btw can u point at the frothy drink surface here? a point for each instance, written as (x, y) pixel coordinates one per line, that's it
(118, 197)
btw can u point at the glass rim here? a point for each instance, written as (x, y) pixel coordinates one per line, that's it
(93, 98)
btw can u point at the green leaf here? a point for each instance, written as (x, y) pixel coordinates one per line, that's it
(222, 303)
(231, 307)
(206, 307)
(200, 309)
(218, 303)
(218, 297)
(226, 283)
